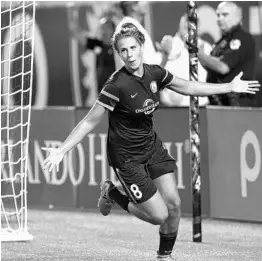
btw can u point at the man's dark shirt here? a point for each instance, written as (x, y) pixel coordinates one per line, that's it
(237, 50)
(105, 62)
(131, 100)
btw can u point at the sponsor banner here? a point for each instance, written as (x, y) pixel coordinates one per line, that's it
(234, 144)
(48, 129)
(82, 170)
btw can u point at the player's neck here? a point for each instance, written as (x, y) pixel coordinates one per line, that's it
(139, 72)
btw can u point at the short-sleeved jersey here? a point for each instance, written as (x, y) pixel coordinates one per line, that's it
(237, 50)
(131, 101)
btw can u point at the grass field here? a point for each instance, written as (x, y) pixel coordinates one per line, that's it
(82, 236)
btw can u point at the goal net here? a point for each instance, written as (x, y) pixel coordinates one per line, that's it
(17, 45)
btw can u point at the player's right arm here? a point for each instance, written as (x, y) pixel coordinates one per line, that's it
(107, 100)
(85, 126)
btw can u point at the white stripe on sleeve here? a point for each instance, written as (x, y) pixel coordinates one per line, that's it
(110, 95)
(105, 105)
(165, 76)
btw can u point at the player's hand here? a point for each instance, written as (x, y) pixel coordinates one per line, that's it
(241, 86)
(54, 158)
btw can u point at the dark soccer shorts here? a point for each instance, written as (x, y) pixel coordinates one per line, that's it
(137, 180)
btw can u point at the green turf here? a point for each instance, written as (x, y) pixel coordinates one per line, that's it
(82, 236)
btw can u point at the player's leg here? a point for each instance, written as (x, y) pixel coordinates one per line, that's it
(161, 169)
(153, 211)
(168, 231)
(146, 202)
(167, 187)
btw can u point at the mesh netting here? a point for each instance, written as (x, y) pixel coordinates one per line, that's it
(17, 31)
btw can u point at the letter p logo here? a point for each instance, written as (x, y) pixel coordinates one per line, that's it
(246, 172)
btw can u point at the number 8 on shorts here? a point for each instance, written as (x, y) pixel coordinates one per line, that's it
(135, 190)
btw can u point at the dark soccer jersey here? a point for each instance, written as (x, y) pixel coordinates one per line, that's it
(131, 101)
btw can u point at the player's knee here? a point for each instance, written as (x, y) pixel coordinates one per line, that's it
(174, 203)
(177, 202)
(160, 217)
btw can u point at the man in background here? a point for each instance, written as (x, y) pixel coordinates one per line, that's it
(233, 53)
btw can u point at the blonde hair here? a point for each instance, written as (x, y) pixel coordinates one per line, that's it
(127, 30)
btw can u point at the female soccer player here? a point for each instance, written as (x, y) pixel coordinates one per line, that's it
(142, 164)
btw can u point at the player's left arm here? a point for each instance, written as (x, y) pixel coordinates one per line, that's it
(194, 88)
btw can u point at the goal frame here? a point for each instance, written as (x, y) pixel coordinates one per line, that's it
(21, 233)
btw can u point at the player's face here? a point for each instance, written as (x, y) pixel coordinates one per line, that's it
(131, 53)
(226, 17)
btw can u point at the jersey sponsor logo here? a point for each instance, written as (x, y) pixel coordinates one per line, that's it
(148, 107)
(235, 44)
(153, 87)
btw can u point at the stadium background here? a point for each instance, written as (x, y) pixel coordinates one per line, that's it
(230, 137)
(54, 50)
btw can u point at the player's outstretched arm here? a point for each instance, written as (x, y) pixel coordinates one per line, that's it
(86, 125)
(193, 88)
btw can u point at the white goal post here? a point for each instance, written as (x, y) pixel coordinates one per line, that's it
(17, 45)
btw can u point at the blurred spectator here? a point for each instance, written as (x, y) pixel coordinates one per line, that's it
(233, 53)
(178, 64)
(101, 46)
(134, 9)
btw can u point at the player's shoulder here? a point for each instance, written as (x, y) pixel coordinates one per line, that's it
(156, 72)
(152, 67)
(117, 78)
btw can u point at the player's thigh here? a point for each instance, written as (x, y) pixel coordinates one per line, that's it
(137, 183)
(141, 190)
(161, 163)
(167, 187)
(162, 168)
